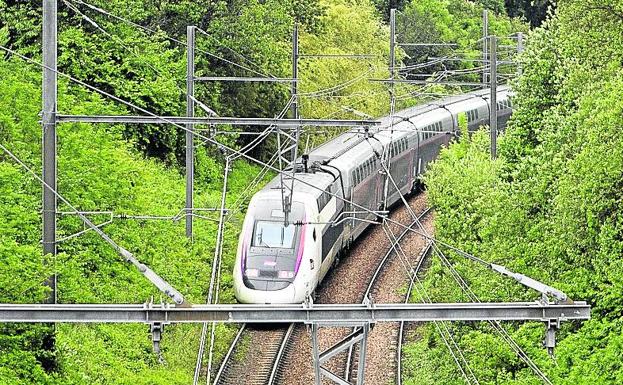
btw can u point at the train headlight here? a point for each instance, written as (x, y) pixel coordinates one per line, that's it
(252, 272)
(286, 274)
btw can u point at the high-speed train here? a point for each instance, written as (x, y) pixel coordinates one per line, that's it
(279, 263)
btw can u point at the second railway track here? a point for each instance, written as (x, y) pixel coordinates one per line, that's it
(282, 354)
(348, 283)
(387, 337)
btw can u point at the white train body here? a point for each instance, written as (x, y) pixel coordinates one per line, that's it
(276, 263)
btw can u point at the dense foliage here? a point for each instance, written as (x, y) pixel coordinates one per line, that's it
(549, 207)
(101, 169)
(98, 171)
(120, 168)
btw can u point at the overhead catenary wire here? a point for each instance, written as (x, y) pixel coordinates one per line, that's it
(339, 87)
(177, 41)
(246, 156)
(110, 35)
(241, 56)
(441, 327)
(495, 324)
(213, 291)
(160, 283)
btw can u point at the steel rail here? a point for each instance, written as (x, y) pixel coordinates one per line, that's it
(401, 336)
(229, 354)
(280, 354)
(375, 276)
(228, 360)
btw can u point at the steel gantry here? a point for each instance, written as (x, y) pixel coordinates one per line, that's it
(334, 315)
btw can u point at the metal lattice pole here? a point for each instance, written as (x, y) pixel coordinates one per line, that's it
(485, 39)
(520, 48)
(190, 112)
(493, 116)
(50, 97)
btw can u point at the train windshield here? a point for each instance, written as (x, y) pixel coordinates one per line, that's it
(274, 234)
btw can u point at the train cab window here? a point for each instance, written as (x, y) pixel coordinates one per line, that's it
(274, 235)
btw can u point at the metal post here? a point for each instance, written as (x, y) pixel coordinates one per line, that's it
(295, 71)
(392, 45)
(392, 97)
(190, 112)
(295, 102)
(519, 50)
(362, 355)
(50, 97)
(316, 354)
(485, 39)
(493, 116)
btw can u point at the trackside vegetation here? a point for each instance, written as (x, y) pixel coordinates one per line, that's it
(534, 209)
(550, 207)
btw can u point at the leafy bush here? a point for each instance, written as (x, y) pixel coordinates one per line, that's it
(549, 207)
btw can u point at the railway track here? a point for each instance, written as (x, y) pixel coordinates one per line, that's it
(255, 355)
(264, 354)
(401, 329)
(375, 285)
(348, 283)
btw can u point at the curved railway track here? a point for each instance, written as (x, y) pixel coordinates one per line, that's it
(264, 354)
(401, 329)
(374, 284)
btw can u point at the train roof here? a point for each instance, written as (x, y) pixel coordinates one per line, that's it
(345, 142)
(310, 183)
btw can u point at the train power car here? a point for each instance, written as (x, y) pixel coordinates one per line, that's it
(283, 263)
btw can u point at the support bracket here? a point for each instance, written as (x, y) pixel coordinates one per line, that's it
(550, 335)
(358, 336)
(156, 329)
